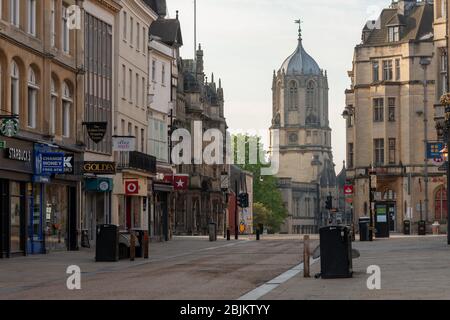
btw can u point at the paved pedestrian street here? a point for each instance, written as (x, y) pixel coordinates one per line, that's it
(411, 268)
(185, 268)
(194, 268)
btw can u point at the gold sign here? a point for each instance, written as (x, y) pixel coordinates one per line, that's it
(99, 167)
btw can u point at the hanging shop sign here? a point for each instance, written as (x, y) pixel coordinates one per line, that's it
(124, 143)
(18, 154)
(9, 126)
(96, 130)
(99, 167)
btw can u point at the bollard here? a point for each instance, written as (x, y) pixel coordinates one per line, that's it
(145, 244)
(257, 235)
(132, 246)
(228, 235)
(306, 256)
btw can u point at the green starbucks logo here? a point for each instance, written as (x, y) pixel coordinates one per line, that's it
(9, 127)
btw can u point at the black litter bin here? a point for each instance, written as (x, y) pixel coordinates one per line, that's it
(336, 252)
(422, 227)
(364, 224)
(212, 232)
(107, 243)
(407, 227)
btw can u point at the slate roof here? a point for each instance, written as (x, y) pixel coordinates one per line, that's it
(169, 30)
(417, 22)
(159, 6)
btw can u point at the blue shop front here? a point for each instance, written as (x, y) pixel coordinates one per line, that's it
(54, 214)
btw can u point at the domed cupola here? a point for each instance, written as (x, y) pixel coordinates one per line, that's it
(300, 62)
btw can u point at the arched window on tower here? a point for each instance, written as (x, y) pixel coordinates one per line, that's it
(311, 111)
(293, 95)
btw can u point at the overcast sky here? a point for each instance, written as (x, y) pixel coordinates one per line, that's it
(245, 40)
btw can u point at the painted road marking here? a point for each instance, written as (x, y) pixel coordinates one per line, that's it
(276, 282)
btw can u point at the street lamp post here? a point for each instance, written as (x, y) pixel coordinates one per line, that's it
(425, 62)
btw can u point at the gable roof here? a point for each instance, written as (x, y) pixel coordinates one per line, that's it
(159, 6)
(168, 30)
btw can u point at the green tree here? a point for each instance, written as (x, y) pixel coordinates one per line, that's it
(265, 188)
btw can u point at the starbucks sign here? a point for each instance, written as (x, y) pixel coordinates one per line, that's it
(9, 127)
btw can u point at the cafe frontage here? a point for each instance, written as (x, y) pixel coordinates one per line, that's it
(16, 171)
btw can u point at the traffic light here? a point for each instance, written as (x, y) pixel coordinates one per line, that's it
(329, 203)
(243, 200)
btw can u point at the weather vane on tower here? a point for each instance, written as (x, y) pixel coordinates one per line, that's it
(299, 21)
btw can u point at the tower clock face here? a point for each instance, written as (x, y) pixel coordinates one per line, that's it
(9, 127)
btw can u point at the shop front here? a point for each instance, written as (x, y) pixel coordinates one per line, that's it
(55, 200)
(131, 195)
(16, 171)
(98, 187)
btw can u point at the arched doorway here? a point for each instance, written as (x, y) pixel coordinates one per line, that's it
(440, 204)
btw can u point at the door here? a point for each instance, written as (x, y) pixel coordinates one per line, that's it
(17, 218)
(4, 217)
(392, 217)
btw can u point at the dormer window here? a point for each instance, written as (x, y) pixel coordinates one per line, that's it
(394, 34)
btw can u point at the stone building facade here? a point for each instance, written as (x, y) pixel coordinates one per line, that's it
(40, 70)
(399, 72)
(300, 115)
(201, 105)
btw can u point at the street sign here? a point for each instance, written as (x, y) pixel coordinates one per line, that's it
(434, 150)
(348, 190)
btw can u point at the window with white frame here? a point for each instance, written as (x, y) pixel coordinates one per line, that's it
(53, 23)
(143, 92)
(15, 88)
(32, 98)
(153, 70)
(394, 34)
(131, 31)
(144, 33)
(124, 81)
(138, 36)
(158, 139)
(66, 109)
(65, 30)
(137, 89)
(32, 17)
(443, 72)
(14, 12)
(130, 85)
(163, 74)
(125, 24)
(53, 103)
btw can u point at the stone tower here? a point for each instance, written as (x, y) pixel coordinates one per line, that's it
(300, 113)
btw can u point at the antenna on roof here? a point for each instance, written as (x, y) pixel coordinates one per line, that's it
(195, 30)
